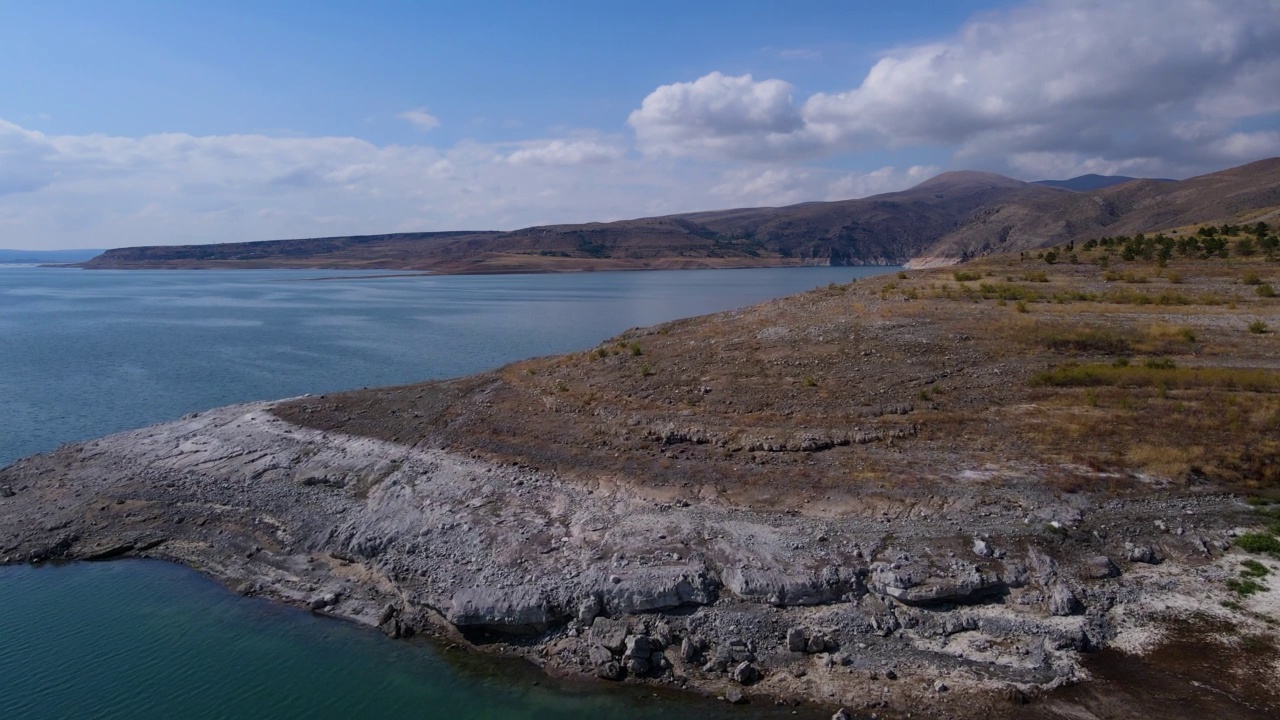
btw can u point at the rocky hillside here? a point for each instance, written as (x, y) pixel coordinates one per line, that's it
(1248, 193)
(955, 216)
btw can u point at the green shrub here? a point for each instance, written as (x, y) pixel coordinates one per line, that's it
(1259, 543)
(1257, 327)
(1245, 586)
(964, 276)
(1265, 290)
(1253, 569)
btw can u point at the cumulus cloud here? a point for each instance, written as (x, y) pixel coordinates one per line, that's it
(566, 152)
(1105, 82)
(718, 115)
(420, 119)
(24, 160)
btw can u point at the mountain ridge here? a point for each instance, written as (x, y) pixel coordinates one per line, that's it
(948, 218)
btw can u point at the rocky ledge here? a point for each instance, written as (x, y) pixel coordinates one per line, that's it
(948, 603)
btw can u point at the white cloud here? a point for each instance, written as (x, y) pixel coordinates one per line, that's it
(719, 116)
(1111, 82)
(782, 185)
(765, 186)
(886, 179)
(420, 119)
(104, 191)
(570, 152)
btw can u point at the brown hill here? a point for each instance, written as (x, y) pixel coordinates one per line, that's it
(954, 216)
(1041, 216)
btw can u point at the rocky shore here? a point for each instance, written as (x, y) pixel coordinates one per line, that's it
(957, 605)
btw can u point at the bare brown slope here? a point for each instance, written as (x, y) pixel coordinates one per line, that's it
(957, 215)
(884, 229)
(1039, 216)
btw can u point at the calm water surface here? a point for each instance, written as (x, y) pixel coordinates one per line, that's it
(86, 353)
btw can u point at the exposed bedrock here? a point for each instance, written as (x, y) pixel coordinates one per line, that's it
(991, 592)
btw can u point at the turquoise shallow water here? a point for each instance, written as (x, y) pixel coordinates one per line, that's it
(84, 354)
(142, 639)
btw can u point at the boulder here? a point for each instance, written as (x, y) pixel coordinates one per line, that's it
(982, 548)
(523, 610)
(819, 642)
(688, 650)
(637, 666)
(1142, 554)
(776, 587)
(660, 634)
(659, 662)
(796, 640)
(599, 654)
(637, 646)
(746, 673)
(913, 588)
(735, 696)
(611, 634)
(589, 609)
(1062, 601)
(323, 601)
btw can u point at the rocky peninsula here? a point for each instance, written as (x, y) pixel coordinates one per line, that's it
(894, 496)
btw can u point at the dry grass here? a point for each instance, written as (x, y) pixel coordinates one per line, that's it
(1155, 375)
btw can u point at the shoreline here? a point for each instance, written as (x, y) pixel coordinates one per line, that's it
(588, 266)
(239, 495)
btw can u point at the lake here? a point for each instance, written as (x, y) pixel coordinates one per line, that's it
(87, 353)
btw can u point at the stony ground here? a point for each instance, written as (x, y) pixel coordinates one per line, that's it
(885, 496)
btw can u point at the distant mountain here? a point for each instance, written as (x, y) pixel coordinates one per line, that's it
(953, 216)
(1026, 221)
(47, 256)
(1085, 183)
(886, 229)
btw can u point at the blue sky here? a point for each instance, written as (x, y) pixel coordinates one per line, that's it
(154, 123)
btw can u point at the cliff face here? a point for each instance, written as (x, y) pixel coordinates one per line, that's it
(935, 492)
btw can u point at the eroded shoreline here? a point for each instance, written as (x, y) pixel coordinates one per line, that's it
(909, 611)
